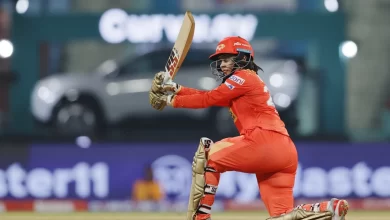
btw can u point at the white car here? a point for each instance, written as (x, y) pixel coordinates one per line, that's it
(118, 90)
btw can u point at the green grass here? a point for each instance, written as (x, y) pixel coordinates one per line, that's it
(352, 215)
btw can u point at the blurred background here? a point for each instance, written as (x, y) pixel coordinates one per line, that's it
(76, 125)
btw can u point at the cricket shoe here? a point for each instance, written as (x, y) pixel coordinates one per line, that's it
(339, 208)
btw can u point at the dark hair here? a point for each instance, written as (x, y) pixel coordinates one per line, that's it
(253, 66)
(247, 63)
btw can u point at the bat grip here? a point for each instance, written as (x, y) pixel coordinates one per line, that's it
(167, 79)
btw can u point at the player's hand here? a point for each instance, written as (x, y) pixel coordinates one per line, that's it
(157, 82)
(163, 83)
(159, 100)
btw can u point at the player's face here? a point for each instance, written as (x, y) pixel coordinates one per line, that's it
(227, 63)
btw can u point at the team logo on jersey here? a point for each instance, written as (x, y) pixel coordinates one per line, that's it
(234, 117)
(237, 79)
(230, 86)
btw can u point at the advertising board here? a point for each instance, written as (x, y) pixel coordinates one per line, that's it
(108, 171)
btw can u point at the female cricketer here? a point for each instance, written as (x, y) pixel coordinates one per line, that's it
(263, 147)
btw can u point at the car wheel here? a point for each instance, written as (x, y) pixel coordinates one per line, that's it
(76, 119)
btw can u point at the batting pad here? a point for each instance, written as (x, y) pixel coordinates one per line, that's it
(198, 178)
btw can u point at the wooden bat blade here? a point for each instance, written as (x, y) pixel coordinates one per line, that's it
(182, 45)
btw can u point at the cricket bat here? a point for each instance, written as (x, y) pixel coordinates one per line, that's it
(182, 45)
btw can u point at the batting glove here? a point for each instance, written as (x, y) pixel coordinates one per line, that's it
(163, 83)
(159, 100)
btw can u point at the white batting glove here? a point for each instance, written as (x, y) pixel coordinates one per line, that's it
(162, 82)
(170, 99)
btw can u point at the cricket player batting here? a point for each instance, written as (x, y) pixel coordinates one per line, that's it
(263, 147)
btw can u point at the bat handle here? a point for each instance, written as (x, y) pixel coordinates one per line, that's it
(167, 78)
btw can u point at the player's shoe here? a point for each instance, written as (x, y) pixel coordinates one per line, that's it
(339, 208)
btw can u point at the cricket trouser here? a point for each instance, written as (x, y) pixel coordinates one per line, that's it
(270, 155)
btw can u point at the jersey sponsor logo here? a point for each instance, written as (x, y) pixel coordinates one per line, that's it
(230, 86)
(237, 79)
(234, 117)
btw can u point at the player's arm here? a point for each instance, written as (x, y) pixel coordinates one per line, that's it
(163, 83)
(159, 86)
(191, 91)
(182, 90)
(222, 94)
